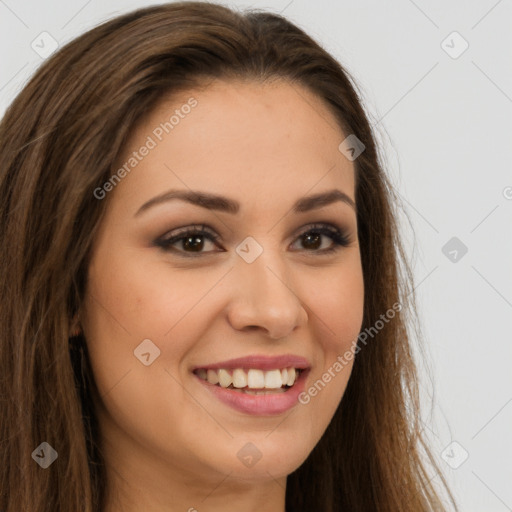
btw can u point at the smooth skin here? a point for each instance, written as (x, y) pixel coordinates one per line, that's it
(169, 444)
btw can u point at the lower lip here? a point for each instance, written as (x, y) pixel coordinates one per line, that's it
(261, 405)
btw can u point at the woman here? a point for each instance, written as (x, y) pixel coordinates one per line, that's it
(205, 303)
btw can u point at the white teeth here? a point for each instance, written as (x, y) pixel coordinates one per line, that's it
(239, 378)
(255, 379)
(212, 377)
(250, 380)
(224, 378)
(273, 379)
(292, 373)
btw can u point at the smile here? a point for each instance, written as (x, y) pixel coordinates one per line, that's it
(256, 385)
(253, 380)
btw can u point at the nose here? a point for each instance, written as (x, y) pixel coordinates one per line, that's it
(262, 299)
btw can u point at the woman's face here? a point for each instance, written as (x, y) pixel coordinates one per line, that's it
(265, 282)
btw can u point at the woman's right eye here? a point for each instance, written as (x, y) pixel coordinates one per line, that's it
(190, 240)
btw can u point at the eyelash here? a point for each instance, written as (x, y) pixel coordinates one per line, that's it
(337, 235)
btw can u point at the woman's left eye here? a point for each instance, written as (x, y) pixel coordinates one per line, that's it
(191, 239)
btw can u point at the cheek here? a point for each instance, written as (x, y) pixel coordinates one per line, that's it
(336, 303)
(336, 307)
(129, 301)
(142, 298)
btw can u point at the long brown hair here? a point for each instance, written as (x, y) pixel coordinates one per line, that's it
(59, 140)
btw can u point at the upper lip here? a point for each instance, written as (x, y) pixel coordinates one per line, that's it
(262, 362)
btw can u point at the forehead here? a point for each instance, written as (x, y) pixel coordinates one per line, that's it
(246, 139)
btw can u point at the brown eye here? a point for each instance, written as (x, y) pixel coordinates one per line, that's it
(188, 240)
(312, 238)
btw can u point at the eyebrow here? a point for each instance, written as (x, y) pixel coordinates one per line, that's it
(224, 204)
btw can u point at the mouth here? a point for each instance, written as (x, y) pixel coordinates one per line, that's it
(257, 385)
(251, 381)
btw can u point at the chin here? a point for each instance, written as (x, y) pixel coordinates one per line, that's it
(264, 458)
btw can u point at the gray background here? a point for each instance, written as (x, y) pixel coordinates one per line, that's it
(445, 125)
